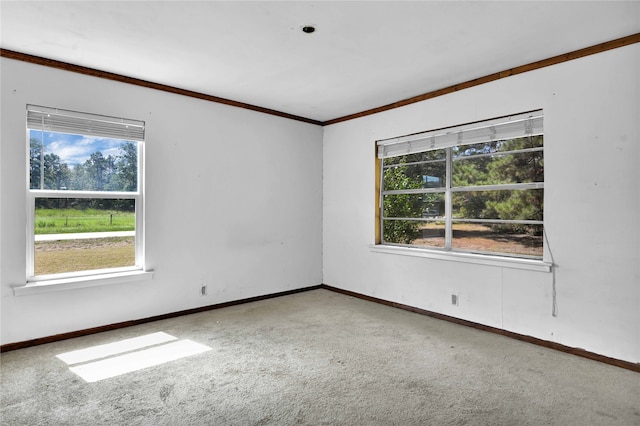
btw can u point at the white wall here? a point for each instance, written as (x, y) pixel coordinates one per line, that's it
(592, 208)
(249, 220)
(233, 200)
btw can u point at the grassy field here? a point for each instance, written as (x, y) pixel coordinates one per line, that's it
(68, 221)
(54, 257)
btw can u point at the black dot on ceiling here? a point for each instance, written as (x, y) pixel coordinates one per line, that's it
(308, 29)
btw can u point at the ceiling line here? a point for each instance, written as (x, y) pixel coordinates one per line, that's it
(576, 54)
(25, 57)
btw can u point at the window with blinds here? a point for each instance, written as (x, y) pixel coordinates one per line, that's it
(85, 193)
(477, 187)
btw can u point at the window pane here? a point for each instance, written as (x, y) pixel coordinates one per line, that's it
(59, 161)
(512, 239)
(506, 205)
(426, 234)
(431, 234)
(79, 234)
(414, 205)
(436, 154)
(415, 176)
(425, 175)
(498, 169)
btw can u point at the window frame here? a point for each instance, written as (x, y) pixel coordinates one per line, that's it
(430, 143)
(76, 278)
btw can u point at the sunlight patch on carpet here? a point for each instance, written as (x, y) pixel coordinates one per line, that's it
(115, 348)
(125, 356)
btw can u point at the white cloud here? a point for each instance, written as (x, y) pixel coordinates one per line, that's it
(70, 152)
(76, 150)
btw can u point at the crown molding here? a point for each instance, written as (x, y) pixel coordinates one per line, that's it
(52, 63)
(576, 54)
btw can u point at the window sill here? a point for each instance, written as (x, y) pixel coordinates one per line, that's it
(479, 259)
(48, 286)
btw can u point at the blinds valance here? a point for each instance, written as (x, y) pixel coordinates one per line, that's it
(514, 126)
(63, 121)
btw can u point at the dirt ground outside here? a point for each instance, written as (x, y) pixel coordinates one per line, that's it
(477, 237)
(54, 257)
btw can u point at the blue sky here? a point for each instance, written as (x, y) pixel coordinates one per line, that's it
(76, 149)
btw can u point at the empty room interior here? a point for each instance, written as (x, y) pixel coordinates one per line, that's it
(318, 212)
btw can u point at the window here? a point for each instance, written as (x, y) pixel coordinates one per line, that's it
(85, 198)
(475, 188)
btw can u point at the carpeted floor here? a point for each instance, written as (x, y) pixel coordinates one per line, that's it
(314, 358)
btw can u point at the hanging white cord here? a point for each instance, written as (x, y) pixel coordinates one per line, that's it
(554, 303)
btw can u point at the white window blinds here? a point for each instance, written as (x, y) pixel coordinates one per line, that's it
(78, 123)
(514, 126)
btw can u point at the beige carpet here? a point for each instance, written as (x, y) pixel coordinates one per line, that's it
(313, 358)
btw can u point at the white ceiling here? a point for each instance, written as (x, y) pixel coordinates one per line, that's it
(363, 54)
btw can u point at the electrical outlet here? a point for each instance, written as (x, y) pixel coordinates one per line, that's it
(454, 299)
(203, 290)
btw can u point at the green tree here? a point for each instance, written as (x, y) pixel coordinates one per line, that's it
(470, 172)
(46, 170)
(80, 178)
(56, 173)
(35, 162)
(97, 166)
(401, 205)
(523, 167)
(126, 168)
